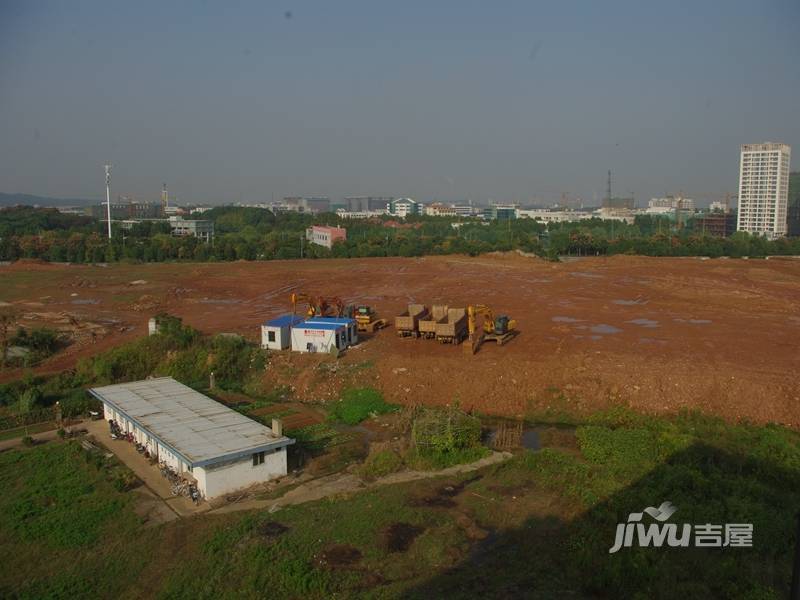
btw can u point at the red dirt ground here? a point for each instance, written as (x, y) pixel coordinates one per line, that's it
(656, 334)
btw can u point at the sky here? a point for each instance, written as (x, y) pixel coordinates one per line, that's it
(502, 101)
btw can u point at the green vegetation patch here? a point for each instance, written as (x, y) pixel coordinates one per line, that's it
(358, 404)
(56, 498)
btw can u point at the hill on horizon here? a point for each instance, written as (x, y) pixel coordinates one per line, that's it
(31, 200)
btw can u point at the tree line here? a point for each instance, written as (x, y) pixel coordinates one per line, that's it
(243, 233)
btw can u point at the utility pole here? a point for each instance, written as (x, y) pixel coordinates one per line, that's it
(108, 198)
(301, 244)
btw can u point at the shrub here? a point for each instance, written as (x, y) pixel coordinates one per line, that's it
(443, 438)
(380, 463)
(356, 404)
(27, 441)
(62, 433)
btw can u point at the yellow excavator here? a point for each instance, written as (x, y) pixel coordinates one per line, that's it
(499, 329)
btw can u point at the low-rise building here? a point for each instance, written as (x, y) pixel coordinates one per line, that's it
(307, 204)
(437, 209)
(324, 334)
(326, 236)
(198, 228)
(276, 333)
(200, 439)
(547, 215)
(402, 207)
(360, 214)
(500, 212)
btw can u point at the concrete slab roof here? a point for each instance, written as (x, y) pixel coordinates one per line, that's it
(199, 429)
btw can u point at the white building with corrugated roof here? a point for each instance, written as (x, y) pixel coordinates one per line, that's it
(219, 448)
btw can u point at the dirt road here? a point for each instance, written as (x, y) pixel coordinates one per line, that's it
(656, 334)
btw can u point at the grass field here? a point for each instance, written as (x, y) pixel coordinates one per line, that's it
(539, 524)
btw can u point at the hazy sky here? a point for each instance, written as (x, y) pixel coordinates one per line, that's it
(229, 101)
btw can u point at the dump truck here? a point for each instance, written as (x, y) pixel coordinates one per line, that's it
(427, 325)
(407, 324)
(453, 329)
(367, 319)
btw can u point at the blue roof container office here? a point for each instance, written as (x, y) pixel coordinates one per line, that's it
(275, 333)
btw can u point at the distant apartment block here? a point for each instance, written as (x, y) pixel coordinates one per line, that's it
(763, 189)
(325, 236)
(313, 204)
(367, 203)
(464, 211)
(402, 207)
(669, 203)
(201, 229)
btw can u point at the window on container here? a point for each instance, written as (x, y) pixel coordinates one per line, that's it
(271, 336)
(258, 459)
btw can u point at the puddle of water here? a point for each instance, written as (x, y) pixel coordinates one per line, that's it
(87, 301)
(630, 302)
(586, 275)
(647, 340)
(508, 434)
(693, 321)
(565, 320)
(596, 337)
(603, 328)
(649, 323)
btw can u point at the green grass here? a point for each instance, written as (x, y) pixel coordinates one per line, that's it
(550, 517)
(358, 404)
(18, 432)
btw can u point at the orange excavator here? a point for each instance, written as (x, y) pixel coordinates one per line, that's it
(318, 306)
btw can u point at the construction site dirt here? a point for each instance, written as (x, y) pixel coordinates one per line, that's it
(654, 334)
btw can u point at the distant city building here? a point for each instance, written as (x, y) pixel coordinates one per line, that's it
(402, 207)
(718, 206)
(313, 205)
(122, 210)
(500, 212)
(793, 208)
(364, 214)
(464, 211)
(201, 229)
(440, 210)
(625, 203)
(763, 189)
(367, 203)
(325, 236)
(552, 216)
(670, 203)
(719, 223)
(615, 214)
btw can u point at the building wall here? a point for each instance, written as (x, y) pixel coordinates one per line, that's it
(763, 189)
(217, 480)
(282, 340)
(321, 340)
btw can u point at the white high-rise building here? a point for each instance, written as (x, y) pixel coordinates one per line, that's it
(763, 189)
